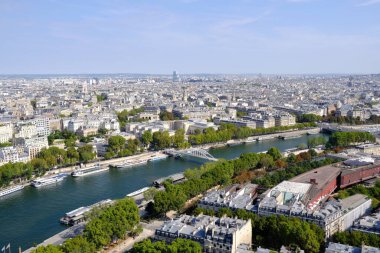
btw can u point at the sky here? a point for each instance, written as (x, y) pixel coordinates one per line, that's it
(190, 36)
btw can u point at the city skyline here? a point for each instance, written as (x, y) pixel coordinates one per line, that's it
(230, 37)
(228, 126)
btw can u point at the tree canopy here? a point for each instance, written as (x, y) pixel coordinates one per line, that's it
(177, 246)
(344, 139)
(47, 159)
(275, 153)
(356, 238)
(229, 131)
(106, 224)
(147, 138)
(165, 116)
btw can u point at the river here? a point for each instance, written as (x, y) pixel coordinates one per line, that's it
(32, 215)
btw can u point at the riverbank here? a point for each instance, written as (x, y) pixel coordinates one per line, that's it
(62, 236)
(124, 245)
(147, 155)
(32, 215)
(278, 135)
(144, 157)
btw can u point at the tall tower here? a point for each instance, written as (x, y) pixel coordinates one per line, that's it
(175, 76)
(184, 94)
(84, 88)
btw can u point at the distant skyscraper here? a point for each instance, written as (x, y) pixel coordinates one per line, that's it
(184, 96)
(84, 88)
(175, 76)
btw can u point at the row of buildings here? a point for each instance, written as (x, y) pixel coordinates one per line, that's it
(307, 197)
(26, 137)
(260, 121)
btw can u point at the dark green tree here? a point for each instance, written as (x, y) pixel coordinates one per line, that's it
(78, 244)
(147, 138)
(161, 140)
(275, 153)
(48, 249)
(86, 153)
(116, 143)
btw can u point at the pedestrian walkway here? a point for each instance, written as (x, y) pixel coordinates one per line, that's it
(148, 231)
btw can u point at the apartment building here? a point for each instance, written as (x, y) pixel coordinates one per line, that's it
(222, 235)
(6, 132)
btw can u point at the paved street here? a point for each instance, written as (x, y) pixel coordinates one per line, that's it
(62, 236)
(148, 231)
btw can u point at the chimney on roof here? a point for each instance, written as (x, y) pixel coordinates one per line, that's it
(313, 181)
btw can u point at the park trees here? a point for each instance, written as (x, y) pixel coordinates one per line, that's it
(112, 223)
(65, 135)
(266, 161)
(372, 192)
(86, 153)
(116, 143)
(39, 164)
(150, 193)
(316, 141)
(179, 139)
(161, 140)
(356, 238)
(229, 131)
(309, 118)
(78, 244)
(275, 153)
(274, 178)
(48, 249)
(179, 245)
(344, 139)
(72, 155)
(165, 116)
(126, 116)
(118, 146)
(173, 198)
(147, 138)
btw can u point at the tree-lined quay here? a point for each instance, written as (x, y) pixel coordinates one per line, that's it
(49, 204)
(101, 228)
(118, 146)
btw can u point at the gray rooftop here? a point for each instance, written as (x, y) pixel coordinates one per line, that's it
(199, 226)
(235, 196)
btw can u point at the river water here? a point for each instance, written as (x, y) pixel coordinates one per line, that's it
(32, 215)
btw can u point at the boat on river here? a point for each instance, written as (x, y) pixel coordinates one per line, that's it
(40, 182)
(131, 164)
(11, 190)
(88, 171)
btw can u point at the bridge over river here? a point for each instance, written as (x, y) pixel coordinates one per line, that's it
(191, 153)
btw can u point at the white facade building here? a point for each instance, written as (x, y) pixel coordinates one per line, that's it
(26, 131)
(6, 132)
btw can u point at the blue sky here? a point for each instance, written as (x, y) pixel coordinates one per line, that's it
(191, 36)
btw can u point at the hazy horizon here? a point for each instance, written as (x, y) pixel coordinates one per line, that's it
(190, 36)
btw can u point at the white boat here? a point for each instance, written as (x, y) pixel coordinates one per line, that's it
(11, 190)
(138, 192)
(78, 215)
(88, 171)
(157, 158)
(232, 143)
(39, 182)
(131, 164)
(291, 149)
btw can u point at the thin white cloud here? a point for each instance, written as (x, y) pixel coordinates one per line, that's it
(369, 2)
(239, 22)
(298, 1)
